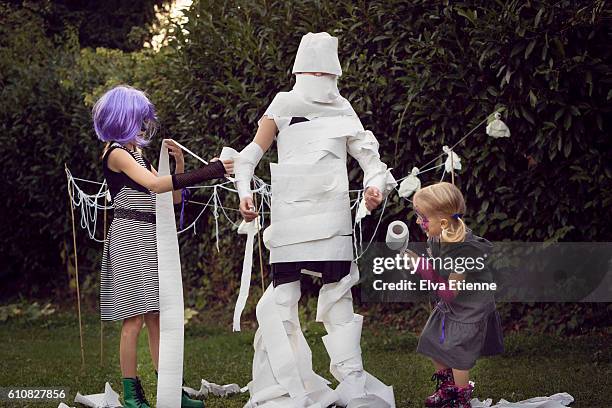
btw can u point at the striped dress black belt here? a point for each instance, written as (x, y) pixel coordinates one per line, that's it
(135, 215)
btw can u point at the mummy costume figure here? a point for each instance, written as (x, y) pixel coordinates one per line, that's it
(311, 230)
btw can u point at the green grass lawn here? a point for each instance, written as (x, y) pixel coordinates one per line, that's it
(47, 354)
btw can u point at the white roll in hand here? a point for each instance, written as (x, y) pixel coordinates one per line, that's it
(397, 236)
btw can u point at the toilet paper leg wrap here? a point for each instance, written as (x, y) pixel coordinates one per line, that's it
(335, 310)
(282, 364)
(286, 298)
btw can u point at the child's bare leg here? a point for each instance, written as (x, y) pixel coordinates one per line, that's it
(462, 377)
(152, 322)
(439, 366)
(128, 345)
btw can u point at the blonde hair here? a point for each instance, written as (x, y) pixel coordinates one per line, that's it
(446, 201)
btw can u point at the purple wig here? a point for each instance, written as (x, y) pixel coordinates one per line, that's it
(125, 115)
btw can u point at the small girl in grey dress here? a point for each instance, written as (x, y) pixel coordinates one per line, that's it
(464, 325)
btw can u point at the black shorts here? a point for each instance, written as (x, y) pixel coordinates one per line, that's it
(331, 271)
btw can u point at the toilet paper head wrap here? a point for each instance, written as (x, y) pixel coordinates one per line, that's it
(318, 52)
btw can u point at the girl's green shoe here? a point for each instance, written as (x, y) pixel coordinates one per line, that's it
(187, 402)
(133, 394)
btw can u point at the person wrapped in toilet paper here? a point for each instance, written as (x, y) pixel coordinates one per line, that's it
(311, 229)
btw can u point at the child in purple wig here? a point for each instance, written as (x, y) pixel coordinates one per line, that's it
(125, 119)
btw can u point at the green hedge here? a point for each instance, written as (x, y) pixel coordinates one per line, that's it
(420, 74)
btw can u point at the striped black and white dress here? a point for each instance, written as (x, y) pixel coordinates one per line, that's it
(129, 284)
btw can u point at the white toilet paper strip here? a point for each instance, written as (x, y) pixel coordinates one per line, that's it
(250, 229)
(362, 211)
(170, 297)
(108, 399)
(208, 388)
(278, 347)
(559, 400)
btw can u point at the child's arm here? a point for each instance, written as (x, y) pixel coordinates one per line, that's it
(377, 179)
(121, 161)
(176, 194)
(177, 153)
(426, 271)
(456, 277)
(248, 160)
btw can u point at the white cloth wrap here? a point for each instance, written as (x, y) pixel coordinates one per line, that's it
(249, 229)
(108, 399)
(322, 89)
(210, 388)
(318, 52)
(171, 310)
(286, 105)
(335, 310)
(282, 364)
(310, 221)
(559, 400)
(244, 166)
(311, 218)
(363, 146)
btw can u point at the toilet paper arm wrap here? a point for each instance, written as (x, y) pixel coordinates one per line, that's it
(244, 167)
(363, 146)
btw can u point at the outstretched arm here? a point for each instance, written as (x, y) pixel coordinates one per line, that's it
(247, 161)
(377, 179)
(121, 161)
(265, 133)
(426, 271)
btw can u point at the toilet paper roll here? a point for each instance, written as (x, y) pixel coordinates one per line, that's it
(397, 236)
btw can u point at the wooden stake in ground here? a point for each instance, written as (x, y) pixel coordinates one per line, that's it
(263, 286)
(76, 270)
(101, 322)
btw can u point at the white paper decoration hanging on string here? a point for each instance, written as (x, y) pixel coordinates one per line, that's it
(410, 184)
(497, 128)
(453, 161)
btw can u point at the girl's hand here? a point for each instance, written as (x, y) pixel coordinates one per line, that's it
(175, 151)
(228, 164)
(372, 197)
(247, 209)
(411, 255)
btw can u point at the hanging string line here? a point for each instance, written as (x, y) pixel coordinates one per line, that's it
(89, 204)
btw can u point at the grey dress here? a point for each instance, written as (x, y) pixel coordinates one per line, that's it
(460, 331)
